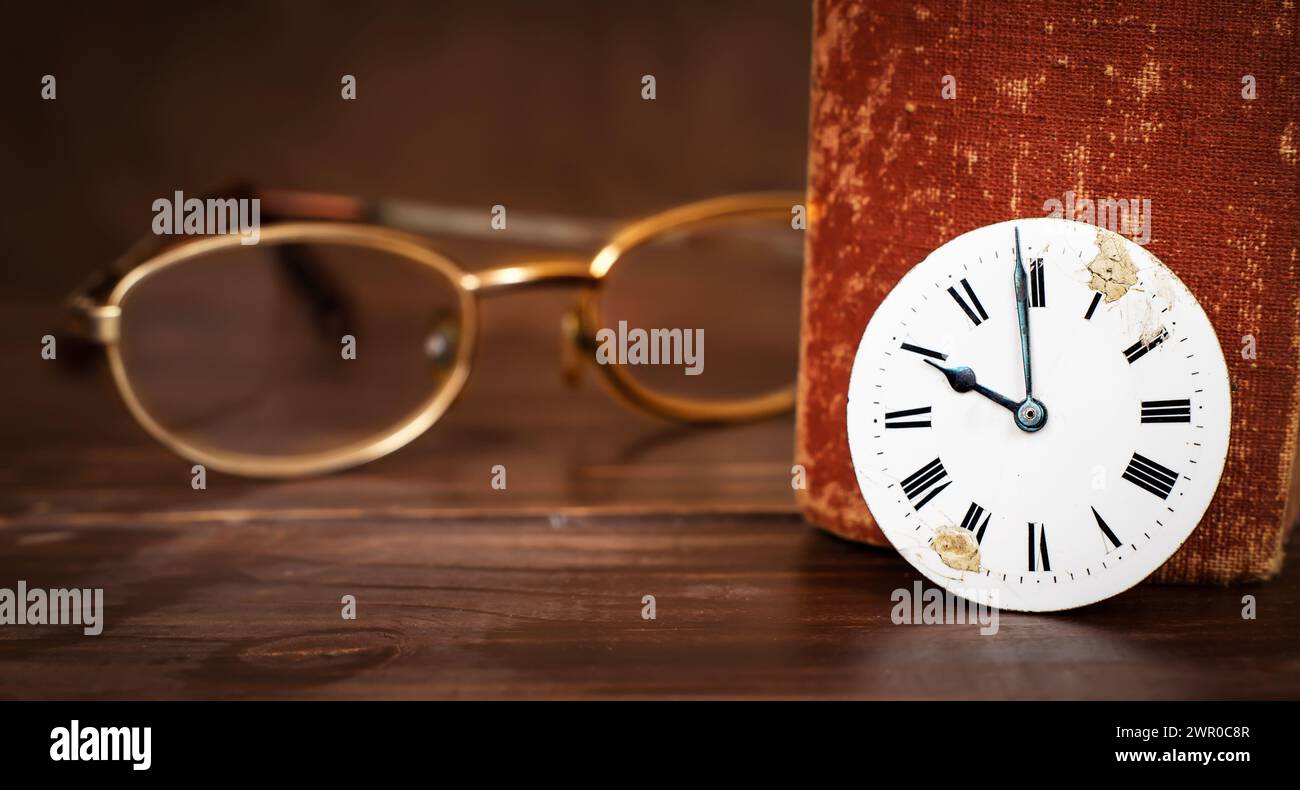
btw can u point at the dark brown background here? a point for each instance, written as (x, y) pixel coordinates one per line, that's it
(536, 106)
(463, 591)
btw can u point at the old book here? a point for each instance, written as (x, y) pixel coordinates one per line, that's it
(1176, 120)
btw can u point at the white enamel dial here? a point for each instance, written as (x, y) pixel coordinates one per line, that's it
(971, 483)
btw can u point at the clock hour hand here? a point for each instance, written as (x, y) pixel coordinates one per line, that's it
(962, 379)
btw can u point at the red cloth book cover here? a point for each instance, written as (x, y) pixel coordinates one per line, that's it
(932, 120)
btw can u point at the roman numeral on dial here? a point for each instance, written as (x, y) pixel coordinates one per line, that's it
(1092, 306)
(925, 352)
(966, 308)
(1167, 410)
(1139, 349)
(1037, 285)
(972, 521)
(1038, 559)
(1150, 476)
(925, 483)
(1105, 529)
(908, 418)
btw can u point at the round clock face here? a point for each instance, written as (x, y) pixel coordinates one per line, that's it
(1038, 414)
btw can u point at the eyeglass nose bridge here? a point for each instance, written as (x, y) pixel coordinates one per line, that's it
(539, 274)
(533, 274)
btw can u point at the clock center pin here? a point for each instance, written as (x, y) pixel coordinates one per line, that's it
(1031, 415)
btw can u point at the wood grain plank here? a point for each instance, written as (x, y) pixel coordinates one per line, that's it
(551, 608)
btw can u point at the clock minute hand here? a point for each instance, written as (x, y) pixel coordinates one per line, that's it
(1030, 414)
(1021, 279)
(962, 379)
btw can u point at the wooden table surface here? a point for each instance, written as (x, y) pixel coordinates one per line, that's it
(535, 591)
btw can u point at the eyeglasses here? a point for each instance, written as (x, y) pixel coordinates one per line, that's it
(342, 334)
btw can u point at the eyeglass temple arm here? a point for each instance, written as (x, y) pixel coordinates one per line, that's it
(86, 319)
(89, 320)
(518, 226)
(546, 230)
(532, 228)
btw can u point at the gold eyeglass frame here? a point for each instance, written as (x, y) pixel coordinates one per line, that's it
(95, 312)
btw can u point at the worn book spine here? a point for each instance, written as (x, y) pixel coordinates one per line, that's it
(930, 120)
